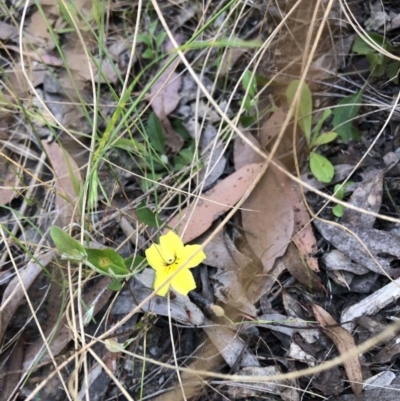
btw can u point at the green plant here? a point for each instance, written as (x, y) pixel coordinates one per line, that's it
(340, 192)
(104, 261)
(152, 41)
(320, 166)
(379, 64)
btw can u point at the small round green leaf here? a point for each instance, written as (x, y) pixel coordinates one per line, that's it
(321, 167)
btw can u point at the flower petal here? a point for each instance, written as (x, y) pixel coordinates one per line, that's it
(171, 246)
(161, 277)
(187, 252)
(154, 257)
(183, 282)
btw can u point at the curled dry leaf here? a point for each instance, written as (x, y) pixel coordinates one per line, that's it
(67, 179)
(344, 342)
(195, 220)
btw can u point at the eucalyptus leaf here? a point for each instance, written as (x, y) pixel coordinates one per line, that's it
(321, 167)
(68, 247)
(304, 105)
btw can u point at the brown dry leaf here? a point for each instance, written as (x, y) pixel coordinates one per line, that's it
(232, 267)
(344, 342)
(272, 127)
(195, 220)
(63, 167)
(328, 64)
(269, 220)
(303, 235)
(164, 98)
(79, 64)
(300, 270)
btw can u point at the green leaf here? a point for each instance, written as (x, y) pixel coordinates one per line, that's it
(184, 157)
(325, 115)
(146, 184)
(115, 285)
(338, 210)
(147, 217)
(129, 145)
(155, 133)
(148, 54)
(160, 39)
(249, 83)
(393, 71)
(321, 167)
(324, 138)
(133, 262)
(144, 38)
(343, 115)
(339, 191)
(106, 261)
(153, 27)
(304, 105)
(179, 128)
(68, 247)
(361, 47)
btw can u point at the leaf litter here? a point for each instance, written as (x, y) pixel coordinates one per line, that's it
(267, 254)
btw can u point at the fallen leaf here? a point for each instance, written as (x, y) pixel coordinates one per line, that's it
(232, 348)
(328, 64)
(214, 159)
(367, 196)
(344, 342)
(303, 235)
(230, 283)
(194, 220)
(67, 178)
(273, 126)
(299, 270)
(79, 65)
(384, 246)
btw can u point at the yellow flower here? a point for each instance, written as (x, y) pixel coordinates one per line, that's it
(168, 257)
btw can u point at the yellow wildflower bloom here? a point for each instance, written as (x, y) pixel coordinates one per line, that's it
(168, 257)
